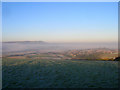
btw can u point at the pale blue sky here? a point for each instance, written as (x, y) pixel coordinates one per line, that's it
(60, 21)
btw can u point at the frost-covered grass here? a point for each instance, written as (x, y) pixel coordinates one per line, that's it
(22, 73)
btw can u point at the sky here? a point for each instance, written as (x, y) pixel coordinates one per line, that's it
(60, 21)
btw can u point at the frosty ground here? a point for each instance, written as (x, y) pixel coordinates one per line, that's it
(40, 73)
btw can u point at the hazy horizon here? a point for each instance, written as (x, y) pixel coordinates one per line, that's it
(59, 45)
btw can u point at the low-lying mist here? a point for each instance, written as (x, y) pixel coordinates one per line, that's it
(45, 47)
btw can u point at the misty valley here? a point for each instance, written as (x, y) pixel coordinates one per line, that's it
(63, 44)
(50, 65)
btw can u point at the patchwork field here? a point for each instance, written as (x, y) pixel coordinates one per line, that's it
(50, 73)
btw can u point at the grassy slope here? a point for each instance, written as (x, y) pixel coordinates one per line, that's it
(59, 73)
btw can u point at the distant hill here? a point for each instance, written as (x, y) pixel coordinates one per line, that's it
(25, 42)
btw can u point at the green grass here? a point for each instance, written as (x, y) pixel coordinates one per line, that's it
(59, 73)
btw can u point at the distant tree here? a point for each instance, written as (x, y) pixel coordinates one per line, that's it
(117, 59)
